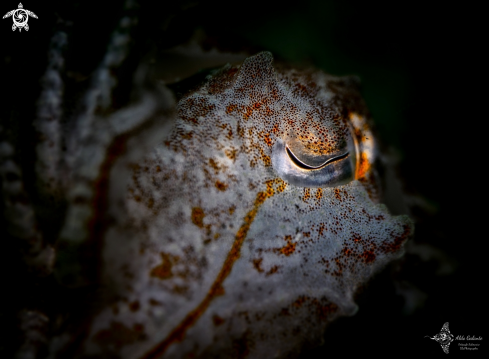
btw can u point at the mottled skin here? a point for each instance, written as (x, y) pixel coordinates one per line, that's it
(215, 255)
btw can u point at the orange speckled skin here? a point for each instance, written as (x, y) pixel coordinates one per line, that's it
(218, 256)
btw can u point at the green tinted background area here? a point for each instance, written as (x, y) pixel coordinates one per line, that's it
(321, 33)
(342, 38)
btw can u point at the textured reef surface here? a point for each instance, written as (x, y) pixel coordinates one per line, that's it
(245, 230)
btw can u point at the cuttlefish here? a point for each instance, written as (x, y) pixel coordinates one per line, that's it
(251, 225)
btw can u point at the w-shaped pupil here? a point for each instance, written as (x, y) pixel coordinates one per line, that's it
(303, 165)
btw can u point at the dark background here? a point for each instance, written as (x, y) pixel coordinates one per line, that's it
(422, 77)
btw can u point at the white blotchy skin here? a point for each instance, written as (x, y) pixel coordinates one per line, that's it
(215, 255)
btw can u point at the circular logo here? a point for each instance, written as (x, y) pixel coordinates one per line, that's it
(20, 17)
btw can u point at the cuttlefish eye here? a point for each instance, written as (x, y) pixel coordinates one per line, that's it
(304, 169)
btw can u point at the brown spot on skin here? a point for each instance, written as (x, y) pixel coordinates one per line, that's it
(356, 238)
(217, 320)
(257, 264)
(270, 191)
(154, 302)
(319, 194)
(190, 119)
(391, 247)
(337, 194)
(368, 256)
(231, 154)
(134, 306)
(324, 311)
(198, 217)
(281, 185)
(221, 186)
(347, 251)
(272, 270)
(275, 128)
(231, 108)
(248, 113)
(289, 248)
(178, 333)
(214, 165)
(267, 161)
(162, 271)
(299, 301)
(229, 136)
(321, 228)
